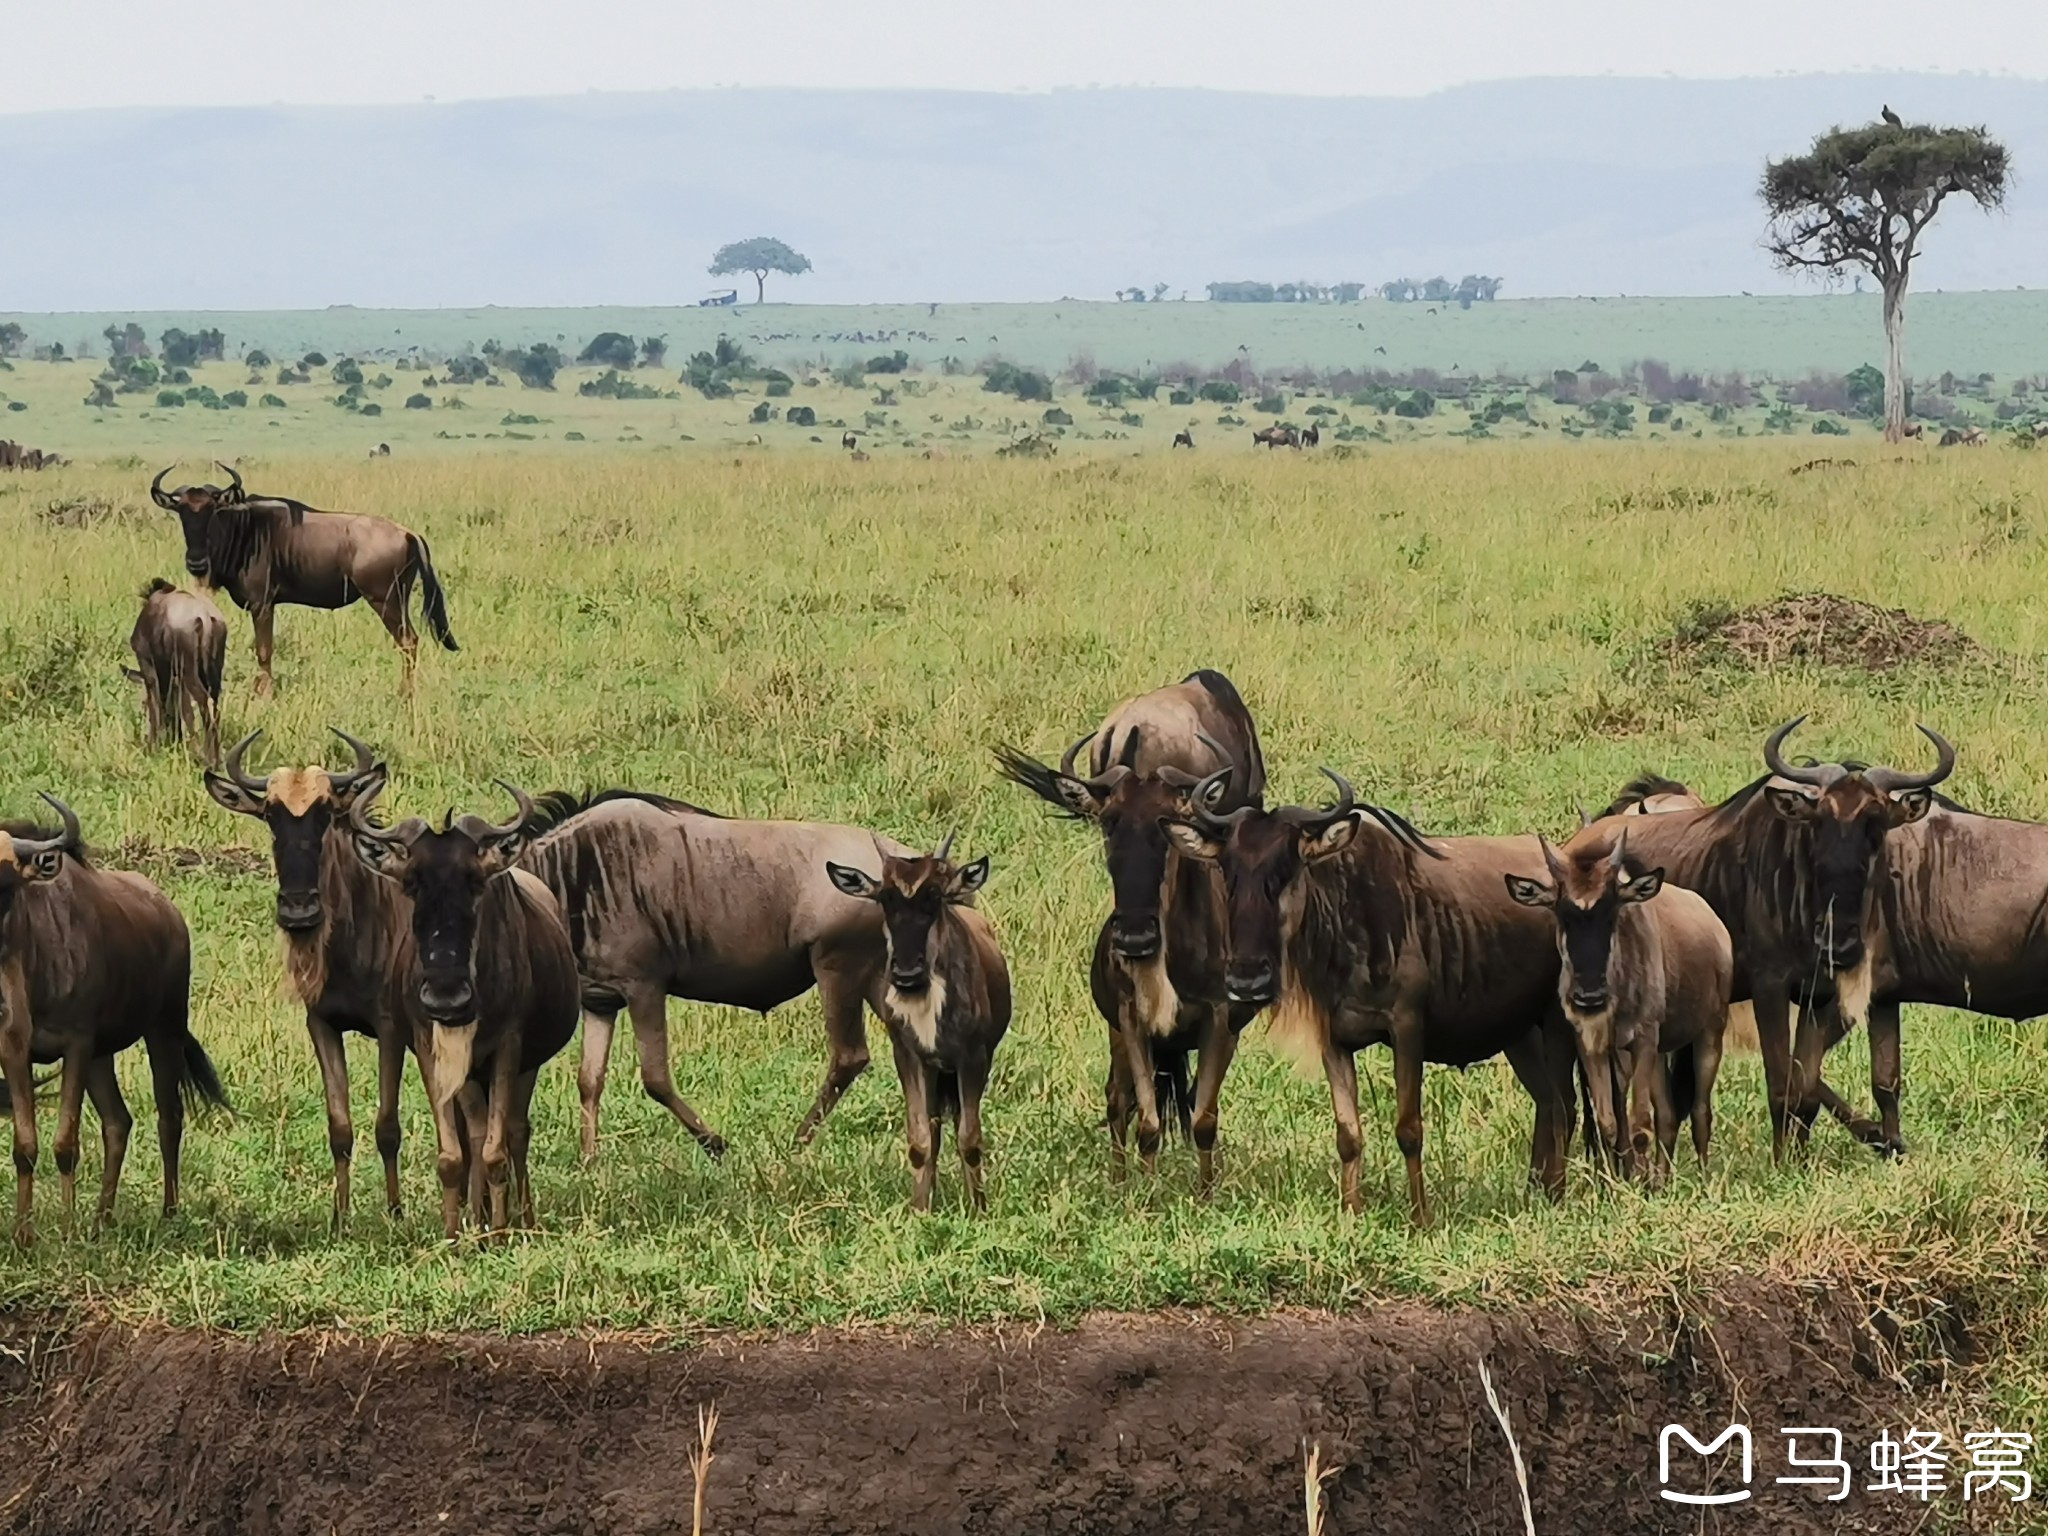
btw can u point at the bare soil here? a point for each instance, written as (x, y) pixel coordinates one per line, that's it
(1818, 628)
(1122, 1425)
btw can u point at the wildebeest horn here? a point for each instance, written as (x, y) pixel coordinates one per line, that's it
(70, 839)
(1321, 820)
(402, 834)
(1617, 858)
(1550, 859)
(235, 491)
(234, 766)
(1074, 752)
(365, 760)
(1584, 820)
(939, 857)
(1891, 781)
(156, 490)
(1207, 792)
(1774, 759)
(525, 803)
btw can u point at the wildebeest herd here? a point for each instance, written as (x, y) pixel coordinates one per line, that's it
(1822, 895)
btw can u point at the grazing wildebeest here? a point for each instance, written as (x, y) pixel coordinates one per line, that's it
(1967, 437)
(264, 551)
(180, 643)
(486, 979)
(1277, 436)
(1646, 971)
(1311, 435)
(1185, 438)
(664, 900)
(948, 1001)
(91, 961)
(1364, 933)
(1157, 974)
(849, 442)
(341, 927)
(1792, 865)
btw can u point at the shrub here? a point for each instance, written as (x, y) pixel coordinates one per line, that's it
(313, 360)
(534, 366)
(419, 402)
(1272, 405)
(235, 399)
(610, 349)
(1827, 427)
(895, 362)
(801, 416)
(1659, 414)
(613, 385)
(467, 370)
(347, 371)
(762, 411)
(178, 376)
(170, 399)
(1416, 405)
(1221, 392)
(373, 409)
(652, 350)
(256, 357)
(777, 388)
(17, 405)
(273, 402)
(1055, 417)
(1181, 397)
(1024, 383)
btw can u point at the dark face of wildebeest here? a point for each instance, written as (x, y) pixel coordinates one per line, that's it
(1586, 899)
(1847, 810)
(300, 806)
(912, 893)
(444, 874)
(196, 506)
(28, 860)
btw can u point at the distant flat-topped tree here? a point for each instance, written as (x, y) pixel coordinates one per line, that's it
(758, 257)
(1861, 198)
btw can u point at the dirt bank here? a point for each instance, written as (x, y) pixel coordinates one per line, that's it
(1124, 1425)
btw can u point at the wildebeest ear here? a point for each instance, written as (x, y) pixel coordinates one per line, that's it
(363, 790)
(857, 883)
(1909, 805)
(131, 674)
(378, 856)
(498, 854)
(1643, 887)
(232, 795)
(1332, 840)
(1192, 842)
(1530, 893)
(1792, 804)
(46, 865)
(969, 880)
(1078, 797)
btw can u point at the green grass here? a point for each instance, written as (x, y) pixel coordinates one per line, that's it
(1473, 636)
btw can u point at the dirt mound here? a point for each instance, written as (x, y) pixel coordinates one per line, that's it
(1818, 628)
(1125, 1425)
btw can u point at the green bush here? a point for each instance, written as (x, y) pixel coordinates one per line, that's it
(1828, 427)
(273, 402)
(1055, 417)
(778, 388)
(611, 349)
(1024, 383)
(801, 416)
(1221, 392)
(256, 357)
(1417, 405)
(1181, 397)
(170, 399)
(895, 362)
(373, 409)
(762, 411)
(235, 399)
(1272, 405)
(419, 402)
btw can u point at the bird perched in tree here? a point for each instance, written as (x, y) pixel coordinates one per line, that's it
(1891, 117)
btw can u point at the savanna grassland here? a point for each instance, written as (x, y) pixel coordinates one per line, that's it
(1478, 637)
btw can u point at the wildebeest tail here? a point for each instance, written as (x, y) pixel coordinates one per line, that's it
(197, 1077)
(1683, 1073)
(1170, 1085)
(433, 600)
(211, 662)
(1019, 767)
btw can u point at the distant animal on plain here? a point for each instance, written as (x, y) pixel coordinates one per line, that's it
(1311, 435)
(1892, 119)
(180, 643)
(381, 451)
(849, 442)
(1185, 438)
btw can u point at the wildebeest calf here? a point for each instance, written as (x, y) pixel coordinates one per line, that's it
(948, 1003)
(1647, 969)
(180, 643)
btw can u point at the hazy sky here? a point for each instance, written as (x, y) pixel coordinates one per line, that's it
(86, 53)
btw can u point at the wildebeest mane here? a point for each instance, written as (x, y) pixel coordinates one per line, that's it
(557, 806)
(1640, 788)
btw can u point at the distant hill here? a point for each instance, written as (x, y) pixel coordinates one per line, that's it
(1565, 187)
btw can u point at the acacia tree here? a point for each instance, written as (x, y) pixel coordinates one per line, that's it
(759, 257)
(1861, 197)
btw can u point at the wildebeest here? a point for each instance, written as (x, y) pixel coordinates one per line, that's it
(91, 961)
(340, 926)
(849, 442)
(665, 899)
(1364, 933)
(1646, 971)
(1157, 974)
(15, 456)
(948, 1001)
(486, 979)
(1277, 436)
(1311, 435)
(1965, 437)
(264, 551)
(1185, 438)
(180, 643)
(1791, 865)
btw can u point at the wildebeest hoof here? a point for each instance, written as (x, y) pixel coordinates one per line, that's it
(1891, 1150)
(714, 1144)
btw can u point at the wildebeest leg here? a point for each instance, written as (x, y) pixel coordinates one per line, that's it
(167, 1082)
(394, 610)
(17, 1073)
(1137, 1044)
(1543, 1060)
(973, 1083)
(1340, 1066)
(649, 1009)
(70, 1112)
(331, 1053)
(1774, 1035)
(115, 1124)
(209, 719)
(917, 1123)
(497, 1132)
(152, 710)
(520, 1133)
(390, 1079)
(1122, 1104)
(1655, 1076)
(1887, 1074)
(1219, 1045)
(597, 1052)
(1863, 1127)
(475, 1109)
(264, 619)
(450, 1159)
(1706, 1066)
(846, 1041)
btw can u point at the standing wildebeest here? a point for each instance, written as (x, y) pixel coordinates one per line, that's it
(485, 977)
(267, 550)
(341, 927)
(1646, 970)
(90, 962)
(1185, 438)
(1311, 435)
(1363, 933)
(1277, 436)
(1792, 865)
(666, 900)
(1157, 974)
(180, 643)
(948, 1001)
